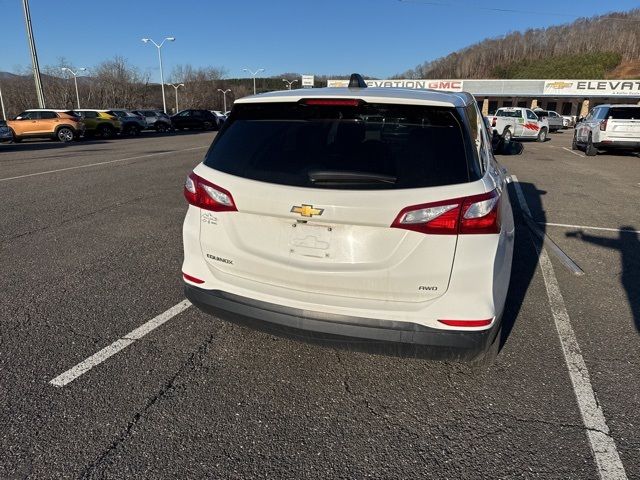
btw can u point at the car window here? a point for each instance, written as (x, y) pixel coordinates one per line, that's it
(48, 115)
(531, 115)
(186, 113)
(25, 115)
(508, 113)
(601, 113)
(625, 113)
(292, 144)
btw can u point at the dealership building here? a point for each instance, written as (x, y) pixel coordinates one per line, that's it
(567, 97)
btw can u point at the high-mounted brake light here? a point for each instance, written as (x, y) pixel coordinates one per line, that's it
(468, 215)
(467, 323)
(333, 102)
(204, 194)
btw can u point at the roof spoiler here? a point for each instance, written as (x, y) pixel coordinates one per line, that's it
(356, 81)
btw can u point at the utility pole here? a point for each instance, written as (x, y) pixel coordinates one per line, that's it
(34, 55)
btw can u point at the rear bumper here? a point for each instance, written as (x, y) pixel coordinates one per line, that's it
(317, 325)
(619, 144)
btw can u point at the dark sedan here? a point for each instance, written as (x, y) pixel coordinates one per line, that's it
(195, 119)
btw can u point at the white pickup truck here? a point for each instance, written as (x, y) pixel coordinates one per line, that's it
(519, 123)
(609, 127)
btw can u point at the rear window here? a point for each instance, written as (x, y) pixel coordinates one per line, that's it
(626, 113)
(509, 113)
(352, 147)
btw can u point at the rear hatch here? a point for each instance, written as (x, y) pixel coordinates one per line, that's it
(624, 122)
(317, 188)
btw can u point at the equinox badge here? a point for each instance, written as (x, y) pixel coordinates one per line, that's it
(306, 210)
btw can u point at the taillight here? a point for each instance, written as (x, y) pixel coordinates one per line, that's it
(603, 125)
(204, 194)
(493, 122)
(468, 215)
(467, 323)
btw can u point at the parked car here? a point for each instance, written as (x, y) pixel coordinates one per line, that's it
(568, 121)
(609, 127)
(62, 125)
(195, 119)
(132, 123)
(519, 123)
(304, 217)
(156, 119)
(99, 123)
(554, 119)
(5, 132)
(220, 116)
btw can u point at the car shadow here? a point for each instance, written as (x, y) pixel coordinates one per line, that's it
(628, 244)
(527, 248)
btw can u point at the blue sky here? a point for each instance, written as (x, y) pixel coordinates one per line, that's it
(374, 37)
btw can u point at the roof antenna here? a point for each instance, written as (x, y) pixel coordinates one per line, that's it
(356, 81)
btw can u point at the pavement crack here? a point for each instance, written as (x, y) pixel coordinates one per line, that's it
(168, 386)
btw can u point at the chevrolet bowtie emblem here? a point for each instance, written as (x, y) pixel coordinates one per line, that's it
(559, 85)
(306, 210)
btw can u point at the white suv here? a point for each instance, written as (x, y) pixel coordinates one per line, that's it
(609, 127)
(368, 213)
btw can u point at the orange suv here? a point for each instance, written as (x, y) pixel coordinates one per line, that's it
(62, 125)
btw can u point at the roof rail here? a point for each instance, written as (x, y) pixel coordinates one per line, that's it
(356, 81)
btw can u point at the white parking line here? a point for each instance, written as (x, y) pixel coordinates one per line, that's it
(571, 151)
(603, 446)
(99, 357)
(586, 227)
(98, 163)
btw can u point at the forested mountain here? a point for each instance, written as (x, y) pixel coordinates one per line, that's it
(603, 46)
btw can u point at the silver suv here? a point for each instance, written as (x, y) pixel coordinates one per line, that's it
(609, 127)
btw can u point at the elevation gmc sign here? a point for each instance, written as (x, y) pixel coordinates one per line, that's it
(444, 85)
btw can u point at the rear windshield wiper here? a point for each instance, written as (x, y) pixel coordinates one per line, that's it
(338, 176)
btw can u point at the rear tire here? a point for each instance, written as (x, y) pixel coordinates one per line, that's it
(161, 127)
(574, 143)
(65, 135)
(542, 135)
(105, 131)
(16, 139)
(488, 357)
(590, 150)
(507, 136)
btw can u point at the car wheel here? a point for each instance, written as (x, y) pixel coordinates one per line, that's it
(161, 127)
(105, 131)
(206, 126)
(542, 135)
(574, 143)
(591, 150)
(65, 135)
(507, 136)
(16, 139)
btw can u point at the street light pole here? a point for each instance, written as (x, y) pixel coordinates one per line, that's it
(288, 83)
(75, 80)
(253, 74)
(4, 115)
(159, 47)
(176, 87)
(224, 95)
(34, 55)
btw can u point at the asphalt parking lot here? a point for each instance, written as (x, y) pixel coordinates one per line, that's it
(91, 251)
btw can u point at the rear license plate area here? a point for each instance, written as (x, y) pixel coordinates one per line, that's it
(307, 240)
